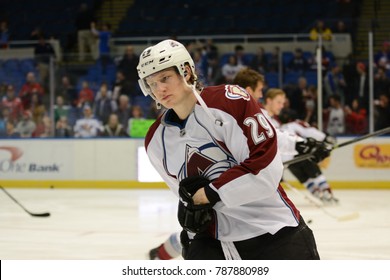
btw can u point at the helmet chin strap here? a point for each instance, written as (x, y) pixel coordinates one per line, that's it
(203, 104)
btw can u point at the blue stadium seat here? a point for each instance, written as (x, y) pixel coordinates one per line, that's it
(291, 77)
(311, 77)
(272, 79)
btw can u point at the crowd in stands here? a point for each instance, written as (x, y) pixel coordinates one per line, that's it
(107, 109)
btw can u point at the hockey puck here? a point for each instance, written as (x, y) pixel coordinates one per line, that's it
(309, 221)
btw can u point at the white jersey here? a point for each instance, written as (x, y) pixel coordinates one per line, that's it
(286, 140)
(87, 127)
(240, 157)
(294, 130)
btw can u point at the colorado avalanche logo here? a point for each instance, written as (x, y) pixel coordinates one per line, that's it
(208, 160)
(236, 92)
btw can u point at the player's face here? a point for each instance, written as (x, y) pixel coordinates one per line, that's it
(167, 86)
(276, 104)
(258, 92)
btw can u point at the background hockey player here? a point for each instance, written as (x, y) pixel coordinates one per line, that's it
(307, 172)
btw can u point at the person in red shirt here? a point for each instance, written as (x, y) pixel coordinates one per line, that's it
(29, 88)
(355, 118)
(86, 95)
(13, 103)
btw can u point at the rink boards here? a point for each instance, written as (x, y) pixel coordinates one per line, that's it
(122, 163)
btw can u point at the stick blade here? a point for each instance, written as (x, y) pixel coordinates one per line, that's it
(40, 215)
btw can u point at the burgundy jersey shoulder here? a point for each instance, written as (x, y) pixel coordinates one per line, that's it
(221, 96)
(152, 130)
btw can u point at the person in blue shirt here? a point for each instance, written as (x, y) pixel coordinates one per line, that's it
(104, 36)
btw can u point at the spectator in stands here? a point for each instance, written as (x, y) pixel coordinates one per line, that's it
(326, 60)
(239, 53)
(36, 33)
(334, 83)
(113, 128)
(381, 82)
(43, 52)
(128, 66)
(340, 28)
(355, 118)
(296, 96)
(320, 30)
(136, 114)
(382, 57)
(124, 111)
(103, 36)
(87, 126)
(4, 34)
(63, 129)
(122, 86)
(210, 49)
(85, 96)
(214, 72)
(68, 91)
(310, 101)
(37, 108)
(103, 86)
(10, 131)
(298, 63)
(334, 116)
(104, 105)
(259, 61)
(29, 88)
(43, 129)
(4, 118)
(85, 38)
(26, 126)
(274, 61)
(200, 61)
(360, 86)
(13, 103)
(230, 69)
(382, 112)
(3, 90)
(60, 110)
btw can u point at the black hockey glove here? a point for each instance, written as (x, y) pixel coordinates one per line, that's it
(319, 150)
(193, 218)
(330, 140)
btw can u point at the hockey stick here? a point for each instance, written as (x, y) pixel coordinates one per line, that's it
(319, 204)
(41, 215)
(336, 146)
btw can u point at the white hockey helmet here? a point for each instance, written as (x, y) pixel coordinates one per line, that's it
(167, 53)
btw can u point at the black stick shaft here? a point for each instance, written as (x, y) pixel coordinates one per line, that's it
(357, 139)
(18, 203)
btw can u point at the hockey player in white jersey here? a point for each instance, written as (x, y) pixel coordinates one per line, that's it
(253, 83)
(307, 172)
(218, 153)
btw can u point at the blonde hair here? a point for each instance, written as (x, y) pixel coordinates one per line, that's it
(273, 92)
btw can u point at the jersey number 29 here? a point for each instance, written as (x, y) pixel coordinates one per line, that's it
(253, 123)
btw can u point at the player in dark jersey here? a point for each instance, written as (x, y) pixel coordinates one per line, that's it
(218, 153)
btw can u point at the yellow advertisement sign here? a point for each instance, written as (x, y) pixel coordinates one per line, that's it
(372, 155)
